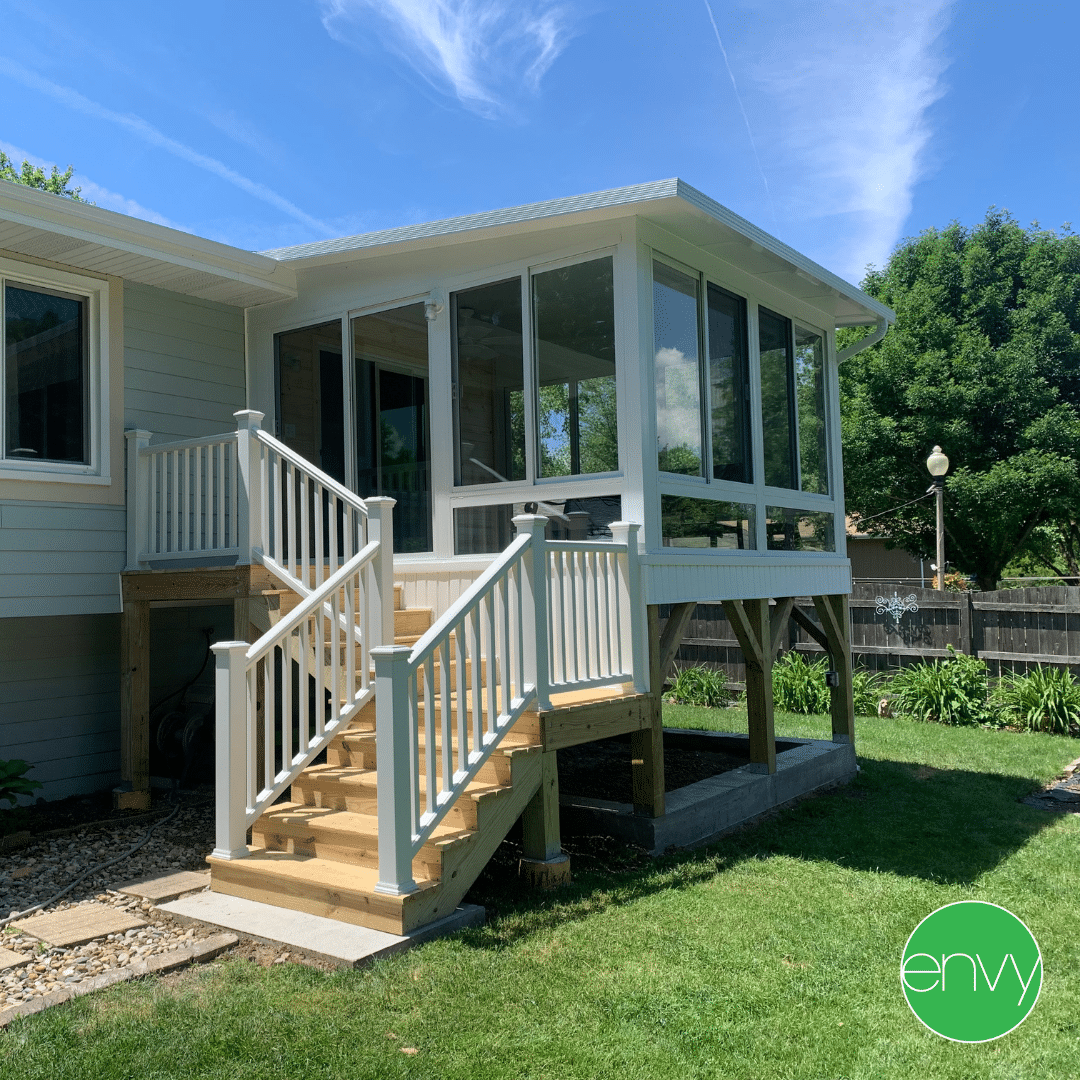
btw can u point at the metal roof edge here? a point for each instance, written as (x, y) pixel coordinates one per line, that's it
(769, 242)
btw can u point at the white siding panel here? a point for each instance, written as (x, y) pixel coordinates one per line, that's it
(671, 581)
(60, 700)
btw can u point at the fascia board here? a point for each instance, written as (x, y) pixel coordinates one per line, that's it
(94, 225)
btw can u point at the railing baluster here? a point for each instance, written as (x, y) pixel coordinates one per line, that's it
(504, 651)
(477, 672)
(457, 636)
(270, 668)
(317, 493)
(430, 750)
(304, 530)
(287, 702)
(290, 561)
(252, 679)
(198, 538)
(447, 753)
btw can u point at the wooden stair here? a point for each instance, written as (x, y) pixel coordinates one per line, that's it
(318, 852)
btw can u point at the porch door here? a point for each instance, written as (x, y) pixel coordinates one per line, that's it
(393, 455)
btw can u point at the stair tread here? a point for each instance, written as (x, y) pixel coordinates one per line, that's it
(352, 774)
(340, 821)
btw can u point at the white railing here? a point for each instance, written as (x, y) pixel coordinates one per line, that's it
(185, 498)
(281, 700)
(485, 662)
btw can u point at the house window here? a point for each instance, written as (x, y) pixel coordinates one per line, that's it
(706, 523)
(729, 387)
(810, 399)
(46, 376)
(574, 345)
(799, 530)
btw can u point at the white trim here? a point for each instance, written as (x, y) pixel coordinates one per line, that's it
(94, 292)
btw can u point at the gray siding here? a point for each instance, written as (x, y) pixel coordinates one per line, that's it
(183, 364)
(60, 558)
(60, 700)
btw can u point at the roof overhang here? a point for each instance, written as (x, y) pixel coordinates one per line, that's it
(671, 204)
(57, 229)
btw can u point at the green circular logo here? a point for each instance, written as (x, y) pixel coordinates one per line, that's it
(971, 971)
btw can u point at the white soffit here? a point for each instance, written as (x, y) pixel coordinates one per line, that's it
(51, 227)
(671, 204)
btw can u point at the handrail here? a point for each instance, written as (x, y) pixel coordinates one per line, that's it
(301, 462)
(187, 444)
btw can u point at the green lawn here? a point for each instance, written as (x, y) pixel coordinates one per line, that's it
(774, 953)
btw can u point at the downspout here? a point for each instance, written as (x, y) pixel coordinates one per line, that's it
(879, 332)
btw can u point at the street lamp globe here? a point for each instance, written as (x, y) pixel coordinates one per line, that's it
(937, 463)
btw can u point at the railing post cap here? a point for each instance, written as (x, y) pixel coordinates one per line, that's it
(381, 502)
(534, 523)
(627, 526)
(137, 433)
(229, 646)
(390, 650)
(248, 418)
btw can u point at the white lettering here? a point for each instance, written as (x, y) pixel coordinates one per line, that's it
(974, 972)
(993, 985)
(1025, 985)
(905, 971)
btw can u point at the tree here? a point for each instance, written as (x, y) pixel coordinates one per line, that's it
(34, 177)
(984, 360)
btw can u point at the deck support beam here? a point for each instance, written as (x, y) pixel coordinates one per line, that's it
(756, 632)
(833, 612)
(543, 863)
(134, 791)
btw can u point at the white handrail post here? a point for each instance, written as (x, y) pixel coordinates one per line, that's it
(138, 496)
(248, 517)
(534, 604)
(230, 750)
(393, 765)
(632, 601)
(381, 604)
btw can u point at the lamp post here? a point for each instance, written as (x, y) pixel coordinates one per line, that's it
(938, 465)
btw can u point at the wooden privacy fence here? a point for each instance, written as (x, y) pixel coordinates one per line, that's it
(896, 625)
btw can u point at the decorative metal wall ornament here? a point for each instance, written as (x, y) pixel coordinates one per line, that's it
(895, 607)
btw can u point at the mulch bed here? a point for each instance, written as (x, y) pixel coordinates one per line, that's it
(601, 770)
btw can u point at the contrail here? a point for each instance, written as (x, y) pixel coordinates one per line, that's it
(150, 134)
(738, 98)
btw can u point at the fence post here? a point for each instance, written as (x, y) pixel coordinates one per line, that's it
(230, 751)
(138, 497)
(381, 604)
(248, 517)
(534, 605)
(393, 757)
(632, 602)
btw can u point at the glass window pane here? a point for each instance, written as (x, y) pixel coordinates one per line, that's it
(47, 385)
(678, 382)
(574, 316)
(490, 388)
(729, 382)
(810, 395)
(480, 530)
(777, 415)
(705, 523)
(798, 530)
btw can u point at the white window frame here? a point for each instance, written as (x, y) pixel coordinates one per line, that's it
(95, 294)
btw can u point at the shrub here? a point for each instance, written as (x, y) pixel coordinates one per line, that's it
(799, 684)
(868, 689)
(951, 691)
(13, 781)
(1046, 699)
(700, 686)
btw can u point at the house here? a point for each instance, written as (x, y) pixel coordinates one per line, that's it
(439, 480)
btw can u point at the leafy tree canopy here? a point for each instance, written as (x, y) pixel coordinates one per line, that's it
(984, 360)
(35, 177)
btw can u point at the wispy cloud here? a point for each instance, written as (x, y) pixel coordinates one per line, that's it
(145, 131)
(485, 52)
(91, 191)
(840, 98)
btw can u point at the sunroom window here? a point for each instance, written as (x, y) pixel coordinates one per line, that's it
(46, 376)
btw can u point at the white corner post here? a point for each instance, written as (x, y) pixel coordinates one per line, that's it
(534, 607)
(381, 601)
(632, 601)
(230, 749)
(248, 509)
(393, 763)
(139, 512)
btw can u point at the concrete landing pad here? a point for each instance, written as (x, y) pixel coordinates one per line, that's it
(9, 959)
(78, 925)
(312, 935)
(704, 811)
(168, 886)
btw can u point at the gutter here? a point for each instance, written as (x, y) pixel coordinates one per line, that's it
(879, 332)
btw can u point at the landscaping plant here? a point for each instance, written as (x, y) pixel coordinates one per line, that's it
(799, 684)
(868, 688)
(1046, 699)
(13, 781)
(951, 691)
(700, 686)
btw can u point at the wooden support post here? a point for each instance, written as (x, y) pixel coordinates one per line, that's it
(833, 612)
(753, 628)
(134, 792)
(543, 862)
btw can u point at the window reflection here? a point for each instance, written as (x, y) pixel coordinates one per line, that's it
(810, 395)
(777, 414)
(729, 386)
(706, 523)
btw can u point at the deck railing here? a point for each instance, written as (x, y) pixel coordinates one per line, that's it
(485, 662)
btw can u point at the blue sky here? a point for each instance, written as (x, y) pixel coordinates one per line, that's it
(838, 126)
